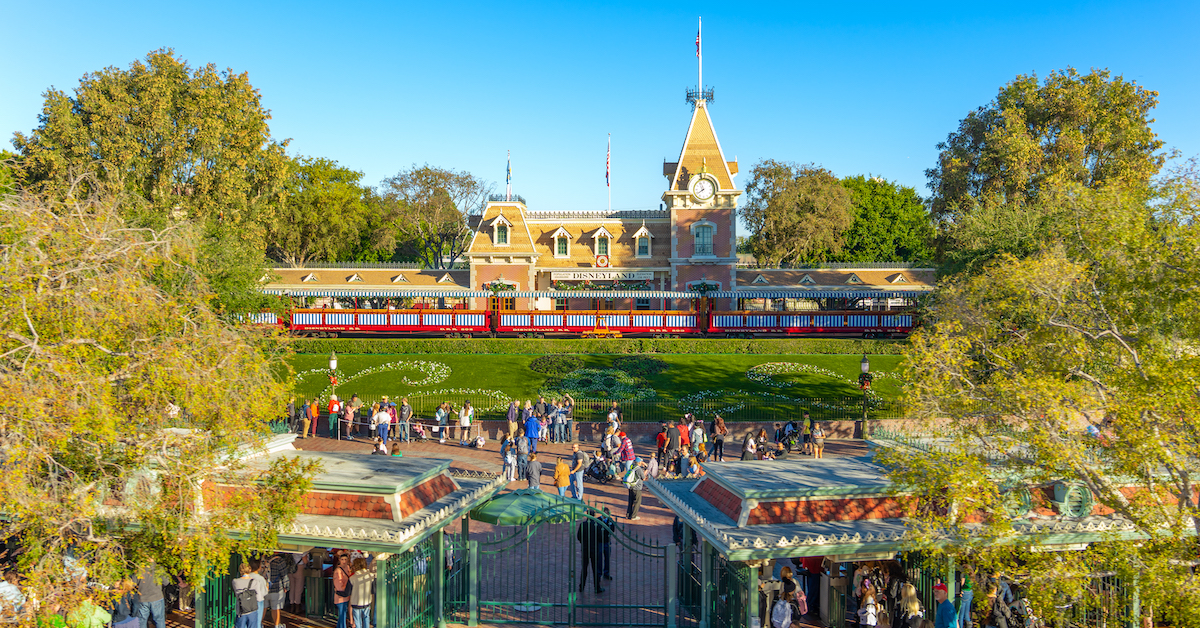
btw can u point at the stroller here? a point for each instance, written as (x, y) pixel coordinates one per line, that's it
(418, 431)
(601, 470)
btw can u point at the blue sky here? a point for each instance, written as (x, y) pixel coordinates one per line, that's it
(860, 88)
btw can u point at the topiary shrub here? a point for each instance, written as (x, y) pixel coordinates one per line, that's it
(556, 365)
(642, 366)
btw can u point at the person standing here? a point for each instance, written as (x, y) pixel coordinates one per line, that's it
(443, 419)
(945, 616)
(393, 420)
(465, 416)
(534, 472)
(260, 589)
(607, 526)
(818, 441)
(635, 490)
(531, 432)
(522, 446)
(719, 432)
(279, 567)
(967, 594)
(552, 421)
(660, 444)
(508, 456)
(562, 476)
(406, 413)
(314, 413)
(335, 414)
(356, 405)
(360, 593)
(748, 446)
(291, 414)
(539, 408)
(579, 461)
(382, 421)
(806, 431)
(513, 415)
(673, 444)
(625, 453)
(560, 422)
(589, 535)
(245, 618)
(151, 602)
(296, 588)
(341, 597)
(568, 411)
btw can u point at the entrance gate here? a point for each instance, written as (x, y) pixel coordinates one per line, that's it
(530, 574)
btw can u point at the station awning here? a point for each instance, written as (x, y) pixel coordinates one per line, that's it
(368, 292)
(818, 294)
(600, 294)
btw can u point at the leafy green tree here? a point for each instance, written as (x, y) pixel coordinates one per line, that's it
(1077, 363)
(433, 205)
(190, 142)
(323, 214)
(795, 212)
(9, 172)
(890, 223)
(125, 394)
(1090, 129)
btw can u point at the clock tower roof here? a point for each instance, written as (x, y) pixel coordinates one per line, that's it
(701, 152)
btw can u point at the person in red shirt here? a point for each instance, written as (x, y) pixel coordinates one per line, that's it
(335, 409)
(661, 442)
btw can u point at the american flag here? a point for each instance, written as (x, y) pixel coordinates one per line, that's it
(697, 43)
(608, 162)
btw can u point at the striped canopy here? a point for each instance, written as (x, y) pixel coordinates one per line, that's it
(817, 294)
(600, 294)
(455, 294)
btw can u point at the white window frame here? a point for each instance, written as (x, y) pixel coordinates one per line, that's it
(637, 236)
(602, 233)
(561, 233)
(495, 224)
(695, 227)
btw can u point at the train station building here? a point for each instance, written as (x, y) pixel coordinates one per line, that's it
(562, 259)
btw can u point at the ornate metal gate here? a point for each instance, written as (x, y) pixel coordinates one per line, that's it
(531, 575)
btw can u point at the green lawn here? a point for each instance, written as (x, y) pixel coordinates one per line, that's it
(490, 380)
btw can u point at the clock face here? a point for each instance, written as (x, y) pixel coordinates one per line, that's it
(703, 189)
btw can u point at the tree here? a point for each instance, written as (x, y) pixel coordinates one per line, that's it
(890, 223)
(434, 204)
(1076, 363)
(1090, 129)
(795, 212)
(189, 142)
(322, 214)
(9, 172)
(125, 394)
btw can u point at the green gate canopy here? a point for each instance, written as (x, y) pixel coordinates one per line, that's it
(514, 508)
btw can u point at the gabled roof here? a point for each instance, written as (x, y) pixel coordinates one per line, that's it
(602, 232)
(400, 278)
(446, 278)
(853, 278)
(520, 240)
(642, 232)
(701, 149)
(354, 277)
(760, 279)
(500, 220)
(310, 277)
(561, 232)
(897, 278)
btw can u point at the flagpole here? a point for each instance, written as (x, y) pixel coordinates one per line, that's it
(508, 179)
(608, 172)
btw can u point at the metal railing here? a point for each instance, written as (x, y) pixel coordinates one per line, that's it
(501, 198)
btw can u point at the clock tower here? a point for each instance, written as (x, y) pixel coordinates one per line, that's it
(702, 200)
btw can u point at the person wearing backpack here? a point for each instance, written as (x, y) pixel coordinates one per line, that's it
(635, 480)
(522, 445)
(781, 614)
(908, 610)
(625, 453)
(246, 598)
(999, 613)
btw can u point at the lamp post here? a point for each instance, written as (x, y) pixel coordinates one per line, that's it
(334, 427)
(864, 382)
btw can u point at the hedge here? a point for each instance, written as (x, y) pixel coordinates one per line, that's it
(610, 346)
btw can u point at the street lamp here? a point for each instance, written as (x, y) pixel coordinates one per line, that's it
(864, 382)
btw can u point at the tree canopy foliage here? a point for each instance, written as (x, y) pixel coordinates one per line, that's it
(795, 212)
(433, 205)
(126, 395)
(1089, 129)
(189, 141)
(322, 215)
(891, 223)
(1077, 361)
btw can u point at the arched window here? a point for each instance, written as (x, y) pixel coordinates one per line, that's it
(501, 234)
(704, 240)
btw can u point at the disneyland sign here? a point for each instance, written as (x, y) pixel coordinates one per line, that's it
(600, 275)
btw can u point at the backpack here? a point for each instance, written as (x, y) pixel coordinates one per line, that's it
(781, 614)
(247, 601)
(630, 479)
(523, 446)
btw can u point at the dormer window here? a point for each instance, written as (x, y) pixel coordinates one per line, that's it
(897, 278)
(400, 279)
(446, 278)
(354, 277)
(310, 277)
(642, 241)
(562, 243)
(602, 240)
(853, 279)
(501, 229)
(807, 278)
(760, 279)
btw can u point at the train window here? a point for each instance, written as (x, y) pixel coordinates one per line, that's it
(642, 304)
(560, 303)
